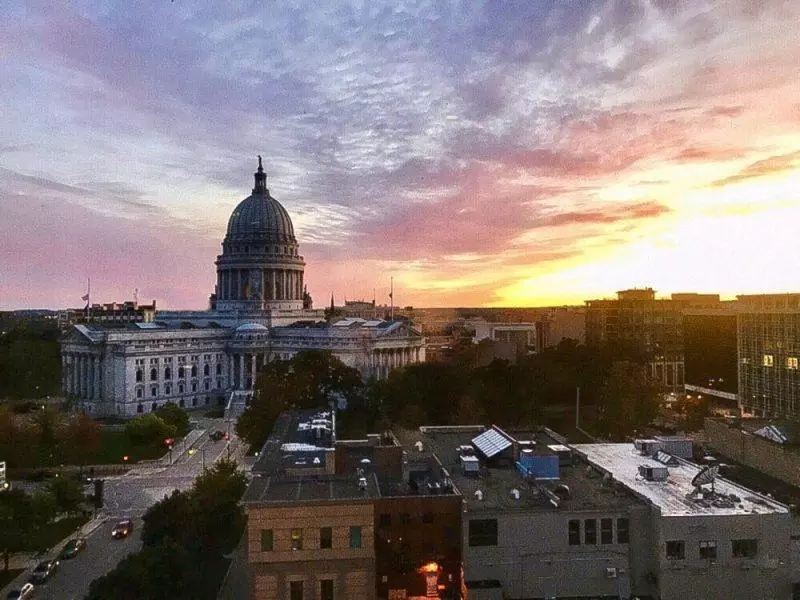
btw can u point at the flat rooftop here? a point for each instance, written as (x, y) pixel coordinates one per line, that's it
(676, 496)
(587, 491)
(283, 490)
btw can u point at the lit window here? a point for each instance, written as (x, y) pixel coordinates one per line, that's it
(744, 548)
(297, 539)
(676, 550)
(708, 549)
(768, 360)
(791, 362)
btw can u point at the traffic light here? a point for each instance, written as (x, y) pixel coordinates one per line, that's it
(98, 493)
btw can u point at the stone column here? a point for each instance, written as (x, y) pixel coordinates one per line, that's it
(241, 372)
(96, 377)
(253, 371)
(84, 376)
(73, 374)
(64, 373)
(229, 383)
(273, 284)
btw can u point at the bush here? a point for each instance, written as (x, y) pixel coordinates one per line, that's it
(174, 415)
(148, 429)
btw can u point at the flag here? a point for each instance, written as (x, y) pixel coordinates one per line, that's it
(85, 298)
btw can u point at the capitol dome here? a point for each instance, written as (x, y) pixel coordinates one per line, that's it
(260, 267)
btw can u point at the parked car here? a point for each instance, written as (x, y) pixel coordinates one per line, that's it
(122, 529)
(72, 548)
(26, 591)
(217, 435)
(44, 570)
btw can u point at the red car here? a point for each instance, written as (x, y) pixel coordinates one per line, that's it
(122, 529)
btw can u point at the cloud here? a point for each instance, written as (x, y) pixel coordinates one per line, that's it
(763, 168)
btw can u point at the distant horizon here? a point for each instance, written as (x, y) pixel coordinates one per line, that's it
(516, 154)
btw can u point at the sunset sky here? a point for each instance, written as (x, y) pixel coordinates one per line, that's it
(483, 153)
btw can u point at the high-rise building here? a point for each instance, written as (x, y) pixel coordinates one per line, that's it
(639, 323)
(710, 353)
(769, 355)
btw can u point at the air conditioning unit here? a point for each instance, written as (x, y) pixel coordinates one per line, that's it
(611, 572)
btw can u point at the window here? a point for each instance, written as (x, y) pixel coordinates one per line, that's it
(355, 537)
(139, 392)
(427, 518)
(219, 369)
(194, 386)
(768, 360)
(154, 407)
(154, 391)
(385, 520)
(153, 375)
(405, 518)
(574, 533)
(207, 385)
(206, 370)
(167, 373)
(791, 363)
(326, 589)
(590, 531)
(483, 532)
(180, 388)
(606, 531)
(297, 539)
(194, 370)
(139, 408)
(138, 375)
(676, 550)
(326, 538)
(296, 590)
(708, 549)
(219, 384)
(267, 540)
(622, 531)
(167, 389)
(182, 403)
(744, 548)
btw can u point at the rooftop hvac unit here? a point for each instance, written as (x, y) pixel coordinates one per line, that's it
(647, 447)
(675, 445)
(611, 572)
(651, 473)
(470, 464)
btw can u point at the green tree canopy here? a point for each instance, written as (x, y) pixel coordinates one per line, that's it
(67, 493)
(174, 415)
(310, 379)
(148, 429)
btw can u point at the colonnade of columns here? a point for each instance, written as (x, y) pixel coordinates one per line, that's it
(242, 369)
(276, 284)
(82, 374)
(384, 360)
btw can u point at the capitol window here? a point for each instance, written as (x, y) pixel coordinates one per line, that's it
(139, 392)
(154, 391)
(206, 370)
(167, 373)
(153, 375)
(180, 388)
(194, 370)
(138, 375)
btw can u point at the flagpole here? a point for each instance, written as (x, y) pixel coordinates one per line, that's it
(89, 301)
(391, 296)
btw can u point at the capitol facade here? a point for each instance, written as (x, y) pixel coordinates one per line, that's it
(260, 311)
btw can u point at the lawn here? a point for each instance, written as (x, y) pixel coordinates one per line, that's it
(115, 445)
(55, 532)
(7, 577)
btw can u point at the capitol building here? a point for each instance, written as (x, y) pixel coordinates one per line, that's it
(260, 311)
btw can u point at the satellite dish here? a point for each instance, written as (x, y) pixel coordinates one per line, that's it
(706, 476)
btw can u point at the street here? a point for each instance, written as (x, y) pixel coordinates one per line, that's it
(129, 496)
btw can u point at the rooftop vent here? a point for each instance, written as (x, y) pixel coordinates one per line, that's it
(515, 494)
(651, 473)
(362, 484)
(418, 446)
(478, 495)
(562, 491)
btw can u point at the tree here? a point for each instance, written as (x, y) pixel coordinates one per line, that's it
(148, 429)
(18, 523)
(50, 423)
(167, 518)
(627, 400)
(67, 493)
(310, 379)
(469, 412)
(82, 439)
(174, 415)
(19, 439)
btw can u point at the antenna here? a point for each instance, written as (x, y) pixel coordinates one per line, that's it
(705, 476)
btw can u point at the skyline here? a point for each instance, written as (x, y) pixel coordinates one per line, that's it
(481, 154)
